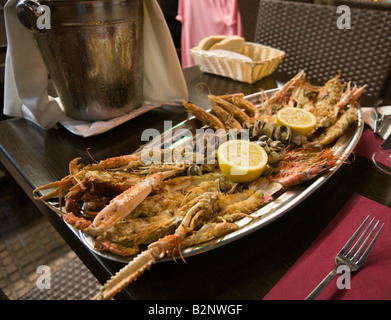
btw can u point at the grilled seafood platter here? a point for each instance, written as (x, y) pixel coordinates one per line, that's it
(148, 210)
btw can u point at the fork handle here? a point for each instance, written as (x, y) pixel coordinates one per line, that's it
(322, 285)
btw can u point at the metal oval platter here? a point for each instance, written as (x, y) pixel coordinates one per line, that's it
(268, 213)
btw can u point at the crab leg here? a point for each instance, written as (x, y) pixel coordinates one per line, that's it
(209, 232)
(65, 184)
(75, 169)
(124, 204)
(120, 162)
(156, 250)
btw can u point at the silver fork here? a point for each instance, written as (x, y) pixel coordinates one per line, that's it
(352, 258)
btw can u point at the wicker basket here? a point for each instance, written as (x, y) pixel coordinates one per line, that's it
(265, 61)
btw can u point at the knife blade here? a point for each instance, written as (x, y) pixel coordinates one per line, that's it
(386, 143)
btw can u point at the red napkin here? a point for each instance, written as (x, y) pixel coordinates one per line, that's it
(371, 282)
(368, 144)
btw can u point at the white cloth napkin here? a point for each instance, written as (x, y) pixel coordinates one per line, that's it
(369, 117)
(26, 96)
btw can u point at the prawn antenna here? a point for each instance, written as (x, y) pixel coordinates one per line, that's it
(89, 154)
(201, 86)
(103, 168)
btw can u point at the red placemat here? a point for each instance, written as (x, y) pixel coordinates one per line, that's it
(368, 144)
(371, 282)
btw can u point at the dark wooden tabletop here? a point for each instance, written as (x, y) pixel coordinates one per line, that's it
(244, 269)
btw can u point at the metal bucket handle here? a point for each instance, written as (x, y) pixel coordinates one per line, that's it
(28, 12)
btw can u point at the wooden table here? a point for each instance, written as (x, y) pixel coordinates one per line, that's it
(245, 269)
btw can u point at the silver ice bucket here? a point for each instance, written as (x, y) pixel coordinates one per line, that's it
(93, 50)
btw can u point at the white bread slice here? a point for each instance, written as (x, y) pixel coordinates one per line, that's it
(207, 42)
(230, 43)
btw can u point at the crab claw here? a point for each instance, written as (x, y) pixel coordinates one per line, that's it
(126, 202)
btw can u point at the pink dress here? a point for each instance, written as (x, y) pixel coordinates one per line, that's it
(202, 18)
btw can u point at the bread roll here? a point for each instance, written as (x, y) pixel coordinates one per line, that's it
(230, 43)
(207, 42)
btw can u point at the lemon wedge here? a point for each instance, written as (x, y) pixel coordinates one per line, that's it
(298, 119)
(241, 160)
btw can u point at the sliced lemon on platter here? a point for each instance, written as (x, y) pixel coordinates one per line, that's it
(298, 119)
(241, 160)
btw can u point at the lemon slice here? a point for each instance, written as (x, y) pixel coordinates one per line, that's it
(298, 119)
(241, 160)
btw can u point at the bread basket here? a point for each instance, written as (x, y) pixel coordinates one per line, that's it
(264, 61)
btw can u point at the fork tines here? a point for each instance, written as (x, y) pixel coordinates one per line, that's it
(356, 255)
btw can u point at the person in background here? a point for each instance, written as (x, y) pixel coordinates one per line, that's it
(204, 18)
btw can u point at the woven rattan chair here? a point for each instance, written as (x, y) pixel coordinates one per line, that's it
(309, 35)
(365, 4)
